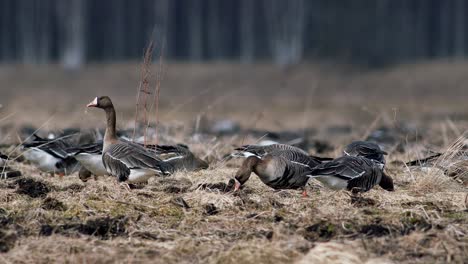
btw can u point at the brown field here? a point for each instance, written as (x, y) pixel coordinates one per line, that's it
(47, 219)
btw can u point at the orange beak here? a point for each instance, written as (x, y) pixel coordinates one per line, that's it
(94, 103)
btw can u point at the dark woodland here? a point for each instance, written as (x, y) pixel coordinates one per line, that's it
(369, 32)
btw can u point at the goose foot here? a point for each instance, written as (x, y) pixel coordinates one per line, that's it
(304, 194)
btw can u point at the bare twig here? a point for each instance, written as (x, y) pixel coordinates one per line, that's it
(143, 86)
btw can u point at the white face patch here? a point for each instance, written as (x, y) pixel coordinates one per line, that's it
(93, 103)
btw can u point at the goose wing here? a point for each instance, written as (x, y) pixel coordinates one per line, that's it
(170, 152)
(120, 158)
(365, 149)
(260, 151)
(346, 168)
(92, 148)
(56, 147)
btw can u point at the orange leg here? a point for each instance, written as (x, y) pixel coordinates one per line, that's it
(304, 193)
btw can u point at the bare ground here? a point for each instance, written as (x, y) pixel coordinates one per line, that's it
(51, 219)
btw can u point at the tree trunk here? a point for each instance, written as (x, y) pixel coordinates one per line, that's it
(72, 52)
(286, 22)
(247, 37)
(459, 41)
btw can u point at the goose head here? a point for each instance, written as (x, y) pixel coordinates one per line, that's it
(103, 102)
(243, 174)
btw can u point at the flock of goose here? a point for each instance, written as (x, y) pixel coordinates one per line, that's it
(279, 166)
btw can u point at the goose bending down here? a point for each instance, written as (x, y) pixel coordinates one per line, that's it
(90, 157)
(356, 174)
(126, 161)
(262, 150)
(280, 169)
(50, 155)
(366, 149)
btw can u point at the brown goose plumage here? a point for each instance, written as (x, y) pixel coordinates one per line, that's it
(126, 160)
(286, 168)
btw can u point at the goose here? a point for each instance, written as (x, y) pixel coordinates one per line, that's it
(262, 150)
(356, 174)
(179, 156)
(366, 149)
(50, 155)
(127, 161)
(90, 157)
(284, 168)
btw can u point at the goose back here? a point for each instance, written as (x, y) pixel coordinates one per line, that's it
(366, 149)
(354, 173)
(259, 151)
(121, 158)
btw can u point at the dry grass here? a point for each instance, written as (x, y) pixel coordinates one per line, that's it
(423, 221)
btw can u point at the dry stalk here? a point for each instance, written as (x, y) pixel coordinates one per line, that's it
(143, 87)
(159, 77)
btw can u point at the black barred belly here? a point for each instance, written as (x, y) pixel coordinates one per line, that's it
(288, 181)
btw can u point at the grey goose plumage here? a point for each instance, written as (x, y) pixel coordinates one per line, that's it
(262, 150)
(179, 156)
(126, 161)
(357, 174)
(50, 155)
(366, 149)
(278, 166)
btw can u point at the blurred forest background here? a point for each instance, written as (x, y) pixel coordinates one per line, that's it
(369, 32)
(298, 61)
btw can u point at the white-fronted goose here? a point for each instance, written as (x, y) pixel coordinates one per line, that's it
(179, 156)
(126, 160)
(90, 157)
(357, 174)
(50, 155)
(366, 149)
(280, 169)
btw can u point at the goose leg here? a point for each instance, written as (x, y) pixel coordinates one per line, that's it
(304, 193)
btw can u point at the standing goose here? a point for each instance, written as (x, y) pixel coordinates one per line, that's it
(281, 169)
(366, 149)
(179, 156)
(50, 155)
(126, 160)
(356, 174)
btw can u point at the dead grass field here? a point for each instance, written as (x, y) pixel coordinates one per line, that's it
(47, 219)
